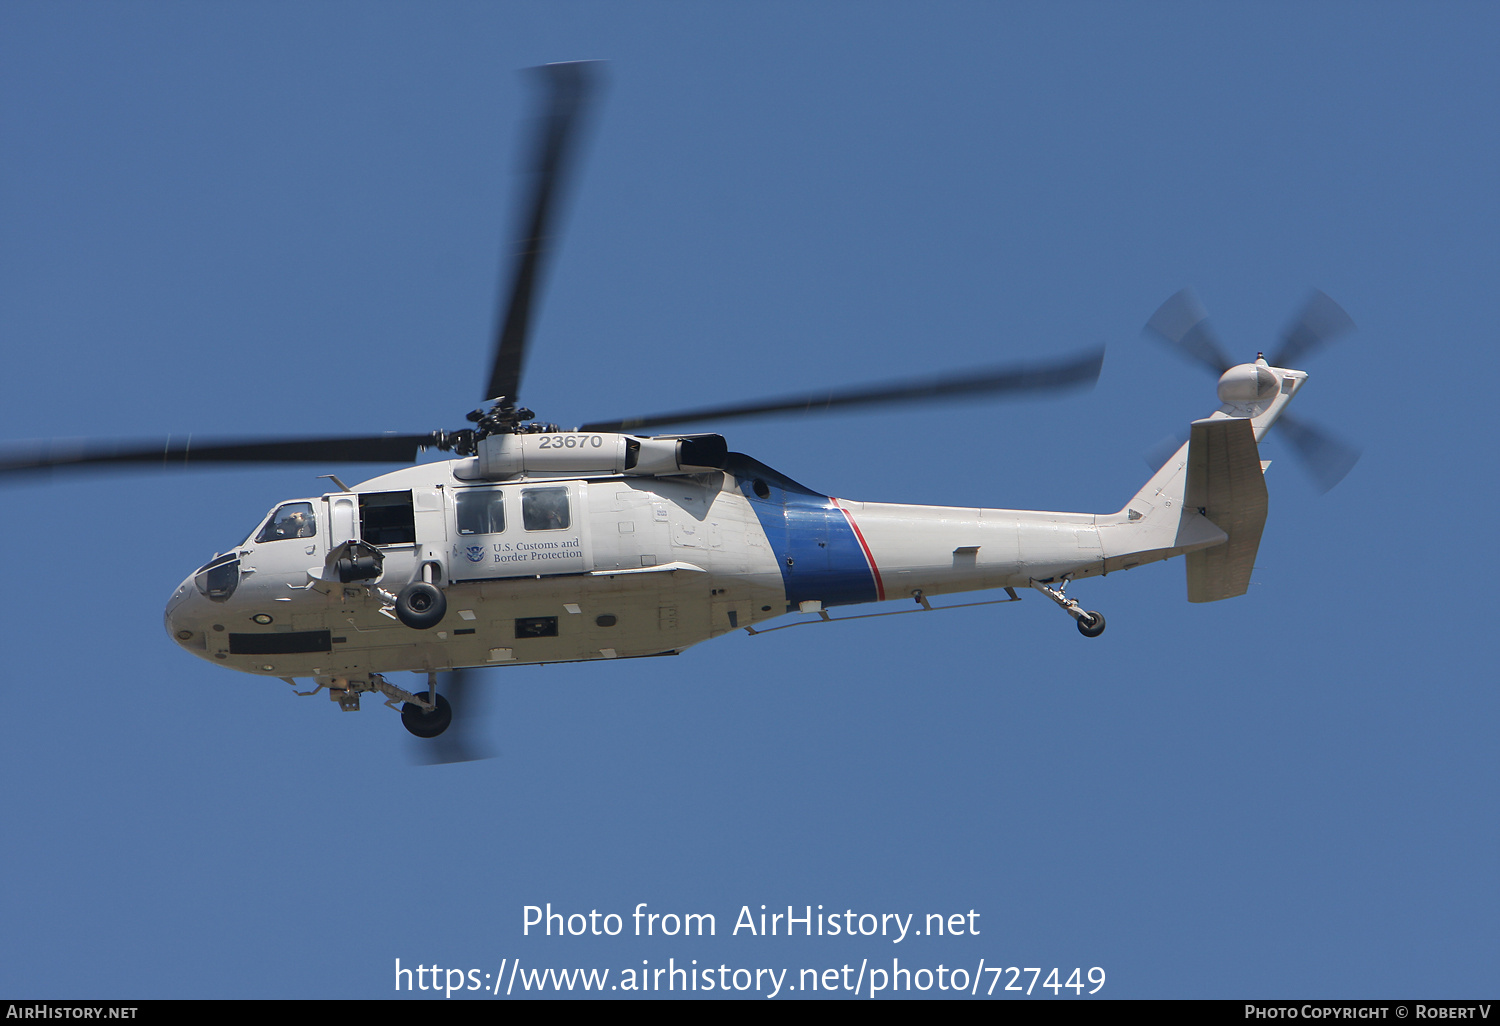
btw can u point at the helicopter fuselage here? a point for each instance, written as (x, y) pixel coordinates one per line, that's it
(546, 568)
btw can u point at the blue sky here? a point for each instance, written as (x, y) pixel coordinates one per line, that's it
(288, 218)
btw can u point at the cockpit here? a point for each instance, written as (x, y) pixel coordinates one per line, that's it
(290, 520)
(217, 579)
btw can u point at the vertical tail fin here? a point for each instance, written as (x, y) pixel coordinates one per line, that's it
(1208, 501)
(1225, 485)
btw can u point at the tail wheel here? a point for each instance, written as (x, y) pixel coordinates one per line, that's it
(421, 605)
(427, 724)
(1091, 624)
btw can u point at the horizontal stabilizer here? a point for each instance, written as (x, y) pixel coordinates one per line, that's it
(1225, 482)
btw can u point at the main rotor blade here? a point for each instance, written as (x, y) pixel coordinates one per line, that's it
(64, 453)
(464, 740)
(1326, 458)
(1071, 373)
(1320, 322)
(569, 87)
(1182, 323)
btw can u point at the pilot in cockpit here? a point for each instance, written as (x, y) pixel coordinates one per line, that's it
(298, 525)
(290, 522)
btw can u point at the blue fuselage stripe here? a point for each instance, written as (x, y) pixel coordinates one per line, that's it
(819, 556)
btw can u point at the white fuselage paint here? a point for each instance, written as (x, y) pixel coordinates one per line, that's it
(652, 565)
(674, 561)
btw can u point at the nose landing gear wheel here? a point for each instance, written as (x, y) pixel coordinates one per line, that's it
(1091, 624)
(427, 724)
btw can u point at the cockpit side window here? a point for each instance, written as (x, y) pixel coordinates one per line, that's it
(480, 511)
(545, 509)
(291, 520)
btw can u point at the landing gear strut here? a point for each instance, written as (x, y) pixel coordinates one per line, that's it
(425, 714)
(1090, 622)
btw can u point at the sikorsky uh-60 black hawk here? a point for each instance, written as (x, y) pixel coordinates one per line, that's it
(540, 545)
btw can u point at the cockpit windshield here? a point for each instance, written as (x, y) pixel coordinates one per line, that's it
(218, 578)
(291, 520)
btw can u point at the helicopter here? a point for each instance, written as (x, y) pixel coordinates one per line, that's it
(534, 544)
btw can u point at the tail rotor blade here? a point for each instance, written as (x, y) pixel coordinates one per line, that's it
(1182, 323)
(1156, 457)
(1326, 458)
(1320, 322)
(570, 87)
(465, 739)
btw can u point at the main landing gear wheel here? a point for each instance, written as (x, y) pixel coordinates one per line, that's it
(421, 605)
(1091, 624)
(427, 724)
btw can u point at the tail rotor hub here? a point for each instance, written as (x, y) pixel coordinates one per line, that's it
(1249, 383)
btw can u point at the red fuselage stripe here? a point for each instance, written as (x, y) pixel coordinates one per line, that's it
(879, 585)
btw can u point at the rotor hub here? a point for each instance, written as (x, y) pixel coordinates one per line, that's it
(1249, 383)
